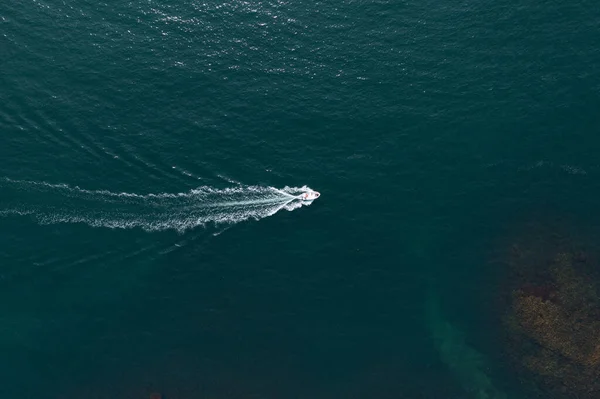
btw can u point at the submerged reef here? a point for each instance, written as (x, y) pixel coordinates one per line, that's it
(551, 317)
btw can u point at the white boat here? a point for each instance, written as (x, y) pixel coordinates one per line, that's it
(309, 195)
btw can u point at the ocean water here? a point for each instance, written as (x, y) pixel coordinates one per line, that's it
(150, 152)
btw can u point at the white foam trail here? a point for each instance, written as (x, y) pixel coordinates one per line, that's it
(60, 203)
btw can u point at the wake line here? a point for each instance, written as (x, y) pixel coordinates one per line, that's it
(49, 203)
(197, 191)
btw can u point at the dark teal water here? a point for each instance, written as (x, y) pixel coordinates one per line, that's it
(144, 249)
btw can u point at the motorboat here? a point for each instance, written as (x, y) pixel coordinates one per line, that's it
(309, 195)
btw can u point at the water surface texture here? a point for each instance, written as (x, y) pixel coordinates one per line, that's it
(150, 152)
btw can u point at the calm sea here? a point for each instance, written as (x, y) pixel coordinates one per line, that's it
(150, 152)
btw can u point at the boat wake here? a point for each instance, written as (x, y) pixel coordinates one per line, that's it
(60, 203)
